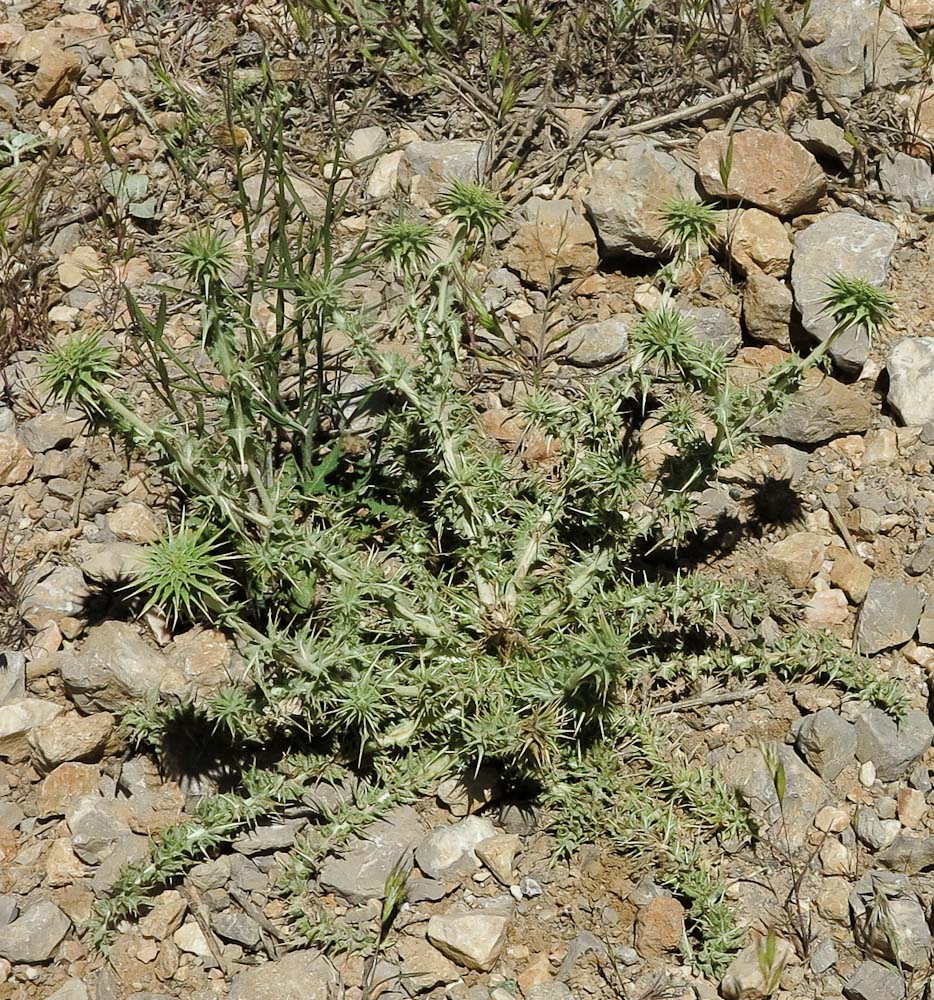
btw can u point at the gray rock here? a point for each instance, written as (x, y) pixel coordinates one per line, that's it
(909, 854)
(96, 827)
(873, 981)
(805, 793)
(889, 921)
(114, 667)
(601, 343)
(911, 380)
(583, 943)
(873, 832)
(626, 195)
(861, 45)
(129, 849)
(116, 561)
(549, 991)
(300, 975)
(61, 594)
(922, 559)
(35, 935)
(8, 909)
(907, 179)
(424, 890)
(74, 989)
(843, 242)
(360, 872)
(449, 850)
(823, 957)
(12, 676)
(714, 327)
(826, 742)
(751, 974)
(269, 837)
(474, 940)
(51, 429)
(519, 817)
(237, 927)
(892, 746)
(825, 139)
(889, 615)
(428, 167)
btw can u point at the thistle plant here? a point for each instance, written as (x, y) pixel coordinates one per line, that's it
(414, 599)
(856, 304)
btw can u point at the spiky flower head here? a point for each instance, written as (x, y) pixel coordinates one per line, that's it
(857, 303)
(74, 371)
(206, 257)
(475, 210)
(405, 244)
(183, 574)
(690, 227)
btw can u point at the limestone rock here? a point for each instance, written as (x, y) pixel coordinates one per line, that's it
(889, 615)
(17, 719)
(827, 743)
(892, 746)
(449, 850)
(554, 243)
(58, 71)
(911, 380)
(756, 971)
(15, 461)
(35, 935)
(758, 241)
(474, 940)
(626, 195)
(71, 737)
(359, 873)
(769, 170)
(821, 409)
(797, 558)
(299, 975)
(767, 305)
(847, 243)
(113, 668)
(593, 344)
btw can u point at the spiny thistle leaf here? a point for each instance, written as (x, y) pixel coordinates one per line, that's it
(690, 227)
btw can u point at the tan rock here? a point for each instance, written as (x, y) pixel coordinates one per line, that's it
(135, 522)
(16, 721)
(472, 790)
(165, 917)
(62, 865)
(15, 461)
(66, 783)
(796, 558)
(826, 608)
(10, 37)
(849, 573)
(475, 940)
(510, 429)
(767, 305)
(917, 14)
(769, 170)
(58, 71)
(107, 100)
(499, 854)
(554, 243)
(536, 972)
(79, 266)
(190, 938)
(71, 737)
(757, 239)
(756, 971)
(659, 927)
(423, 966)
(33, 45)
(912, 807)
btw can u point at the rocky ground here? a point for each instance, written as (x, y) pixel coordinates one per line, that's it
(834, 515)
